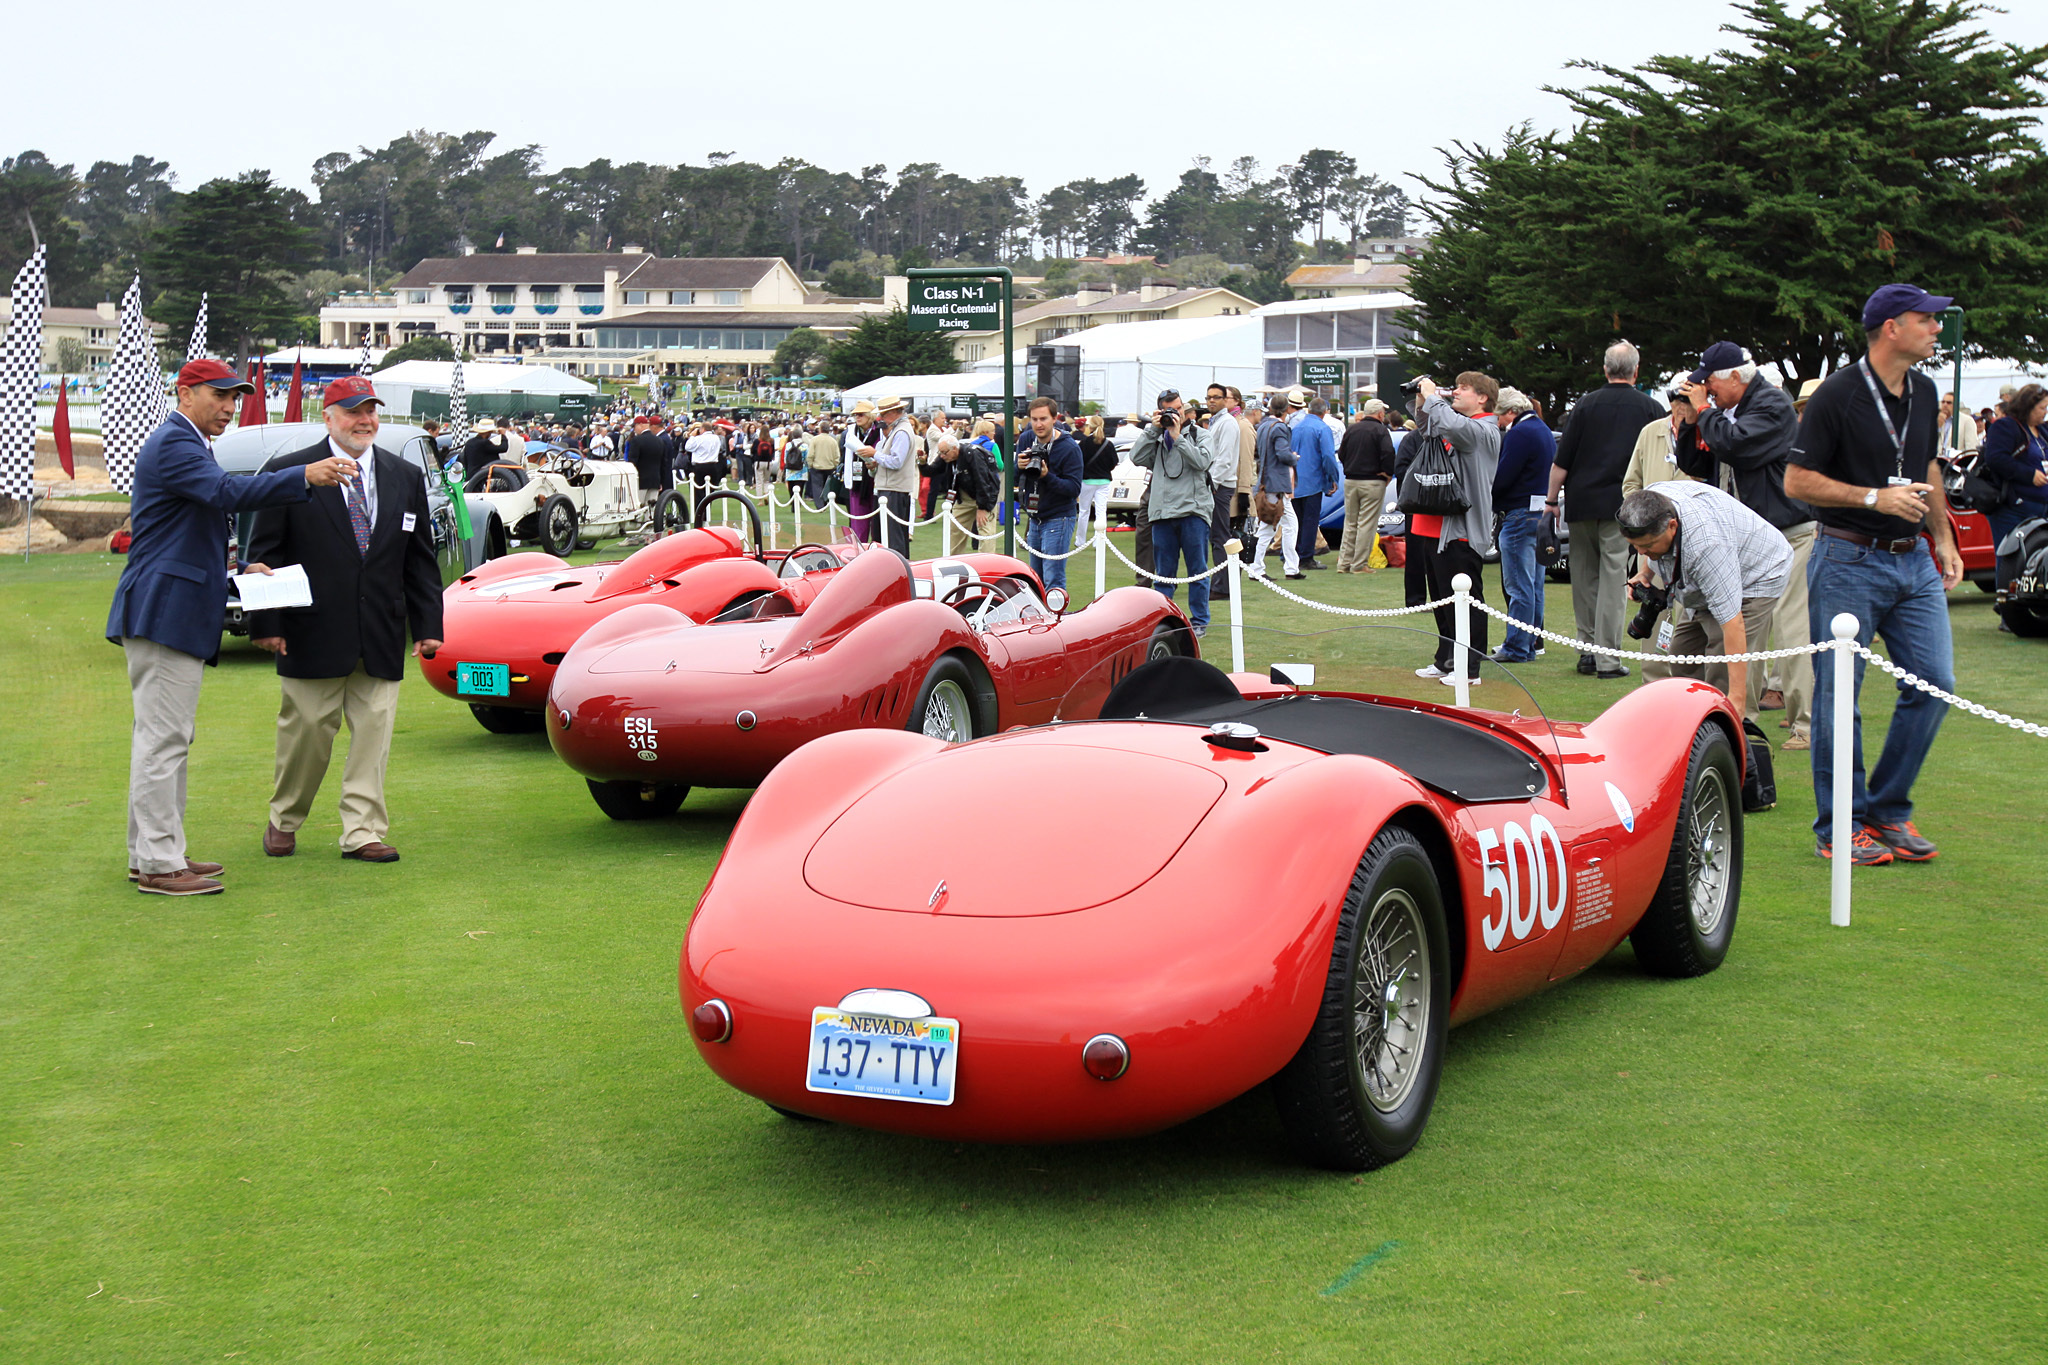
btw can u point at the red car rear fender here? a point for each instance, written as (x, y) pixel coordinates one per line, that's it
(875, 580)
(628, 623)
(670, 557)
(508, 566)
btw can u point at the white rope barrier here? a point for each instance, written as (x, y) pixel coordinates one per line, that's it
(1162, 578)
(2025, 727)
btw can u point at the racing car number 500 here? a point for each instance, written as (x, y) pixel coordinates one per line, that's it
(1532, 848)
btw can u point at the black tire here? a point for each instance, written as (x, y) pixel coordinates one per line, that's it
(554, 528)
(1985, 584)
(1341, 1111)
(1691, 919)
(496, 543)
(945, 704)
(638, 800)
(2027, 621)
(1170, 641)
(506, 720)
(671, 514)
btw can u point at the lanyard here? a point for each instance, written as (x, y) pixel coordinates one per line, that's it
(1898, 445)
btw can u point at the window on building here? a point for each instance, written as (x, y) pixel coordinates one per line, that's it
(731, 340)
(1354, 332)
(1392, 333)
(1280, 337)
(526, 326)
(1318, 332)
(709, 340)
(497, 327)
(561, 326)
(754, 340)
(502, 295)
(471, 326)
(636, 298)
(682, 298)
(727, 298)
(461, 293)
(418, 295)
(1280, 372)
(546, 294)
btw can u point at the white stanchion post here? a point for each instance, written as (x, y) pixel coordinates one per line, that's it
(773, 539)
(1102, 557)
(945, 531)
(832, 516)
(1841, 835)
(1461, 634)
(1234, 569)
(796, 518)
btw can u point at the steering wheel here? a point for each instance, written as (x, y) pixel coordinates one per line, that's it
(789, 569)
(960, 594)
(753, 514)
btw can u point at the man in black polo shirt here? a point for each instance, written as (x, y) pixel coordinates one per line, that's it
(1864, 461)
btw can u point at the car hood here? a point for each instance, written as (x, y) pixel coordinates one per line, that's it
(735, 647)
(1000, 830)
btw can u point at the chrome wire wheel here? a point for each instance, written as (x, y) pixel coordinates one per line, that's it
(1709, 851)
(561, 523)
(946, 715)
(1391, 999)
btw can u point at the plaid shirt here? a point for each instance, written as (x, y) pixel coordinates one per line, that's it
(1726, 553)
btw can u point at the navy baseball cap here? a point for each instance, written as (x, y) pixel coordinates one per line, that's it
(351, 391)
(1722, 355)
(1893, 299)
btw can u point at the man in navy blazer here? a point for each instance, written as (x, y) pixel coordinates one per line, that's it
(369, 554)
(168, 605)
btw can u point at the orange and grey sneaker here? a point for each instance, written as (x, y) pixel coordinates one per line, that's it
(1904, 841)
(1864, 849)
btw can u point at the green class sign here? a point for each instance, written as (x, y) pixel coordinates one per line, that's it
(955, 305)
(1316, 372)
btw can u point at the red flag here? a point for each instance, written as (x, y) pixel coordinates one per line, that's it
(60, 428)
(293, 406)
(255, 409)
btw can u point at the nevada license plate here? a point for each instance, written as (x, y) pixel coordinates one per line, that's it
(483, 680)
(882, 1057)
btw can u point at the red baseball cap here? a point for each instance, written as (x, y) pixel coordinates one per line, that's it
(351, 391)
(213, 375)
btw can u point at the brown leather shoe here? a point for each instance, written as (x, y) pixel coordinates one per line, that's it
(177, 884)
(372, 852)
(196, 869)
(279, 843)
(1771, 700)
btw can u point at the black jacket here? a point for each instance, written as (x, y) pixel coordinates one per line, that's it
(652, 457)
(1367, 450)
(481, 450)
(362, 605)
(1753, 442)
(973, 475)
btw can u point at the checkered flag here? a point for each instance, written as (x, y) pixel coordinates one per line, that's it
(134, 404)
(21, 360)
(364, 366)
(458, 405)
(195, 349)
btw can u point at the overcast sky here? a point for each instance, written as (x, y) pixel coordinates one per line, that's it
(1082, 90)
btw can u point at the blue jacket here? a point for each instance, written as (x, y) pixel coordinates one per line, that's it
(1526, 451)
(2009, 458)
(1315, 450)
(1059, 487)
(174, 589)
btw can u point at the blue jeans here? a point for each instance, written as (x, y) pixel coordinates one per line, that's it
(1899, 597)
(1052, 537)
(1521, 578)
(1185, 539)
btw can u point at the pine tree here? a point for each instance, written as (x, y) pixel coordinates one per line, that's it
(1757, 195)
(884, 344)
(237, 241)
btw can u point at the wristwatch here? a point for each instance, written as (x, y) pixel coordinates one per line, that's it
(1870, 497)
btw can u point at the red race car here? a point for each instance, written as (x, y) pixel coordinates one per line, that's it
(649, 703)
(1100, 929)
(508, 624)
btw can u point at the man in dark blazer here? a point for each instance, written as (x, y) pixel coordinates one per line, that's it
(369, 554)
(168, 606)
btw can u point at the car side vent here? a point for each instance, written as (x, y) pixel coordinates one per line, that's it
(552, 656)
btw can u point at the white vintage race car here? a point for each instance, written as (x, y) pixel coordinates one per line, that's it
(559, 500)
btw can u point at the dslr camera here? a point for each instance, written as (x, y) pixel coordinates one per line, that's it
(1414, 385)
(1654, 601)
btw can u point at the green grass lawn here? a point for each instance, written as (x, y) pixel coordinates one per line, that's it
(448, 1110)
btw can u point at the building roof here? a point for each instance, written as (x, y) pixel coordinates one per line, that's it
(701, 317)
(489, 267)
(704, 272)
(1121, 303)
(1392, 275)
(65, 317)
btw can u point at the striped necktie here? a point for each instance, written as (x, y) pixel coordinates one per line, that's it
(359, 514)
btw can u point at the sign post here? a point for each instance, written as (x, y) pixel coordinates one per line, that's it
(1952, 319)
(970, 299)
(965, 402)
(1319, 373)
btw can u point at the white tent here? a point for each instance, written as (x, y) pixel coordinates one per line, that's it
(322, 357)
(923, 391)
(397, 385)
(1125, 364)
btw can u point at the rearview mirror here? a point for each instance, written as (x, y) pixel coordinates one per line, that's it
(1056, 599)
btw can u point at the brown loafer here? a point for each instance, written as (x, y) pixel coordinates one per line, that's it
(279, 843)
(372, 852)
(196, 869)
(177, 884)
(1771, 700)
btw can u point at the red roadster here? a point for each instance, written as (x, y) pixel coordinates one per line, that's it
(649, 703)
(1219, 883)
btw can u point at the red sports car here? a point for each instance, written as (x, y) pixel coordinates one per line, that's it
(1098, 929)
(508, 624)
(650, 703)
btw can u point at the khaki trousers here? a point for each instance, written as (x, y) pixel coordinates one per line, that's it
(1702, 635)
(165, 685)
(312, 712)
(1600, 600)
(1790, 630)
(1363, 501)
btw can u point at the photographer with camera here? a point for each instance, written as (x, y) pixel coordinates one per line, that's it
(1178, 500)
(1725, 567)
(1461, 417)
(1049, 463)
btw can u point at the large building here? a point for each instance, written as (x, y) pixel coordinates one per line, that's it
(1358, 332)
(95, 329)
(1096, 306)
(1379, 267)
(599, 313)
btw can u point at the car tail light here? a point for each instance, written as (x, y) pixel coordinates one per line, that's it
(1105, 1057)
(711, 1021)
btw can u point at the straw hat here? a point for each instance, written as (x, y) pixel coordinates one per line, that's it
(483, 426)
(862, 407)
(889, 404)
